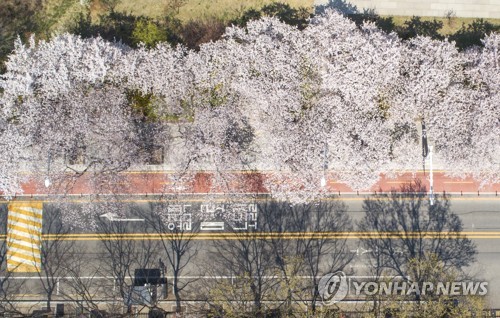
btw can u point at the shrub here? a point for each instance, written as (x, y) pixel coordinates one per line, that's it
(148, 32)
(473, 33)
(384, 23)
(283, 11)
(196, 32)
(415, 26)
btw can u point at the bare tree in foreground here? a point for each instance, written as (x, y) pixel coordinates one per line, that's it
(57, 254)
(250, 263)
(280, 261)
(83, 284)
(122, 255)
(313, 251)
(173, 222)
(8, 285)
(418, 233)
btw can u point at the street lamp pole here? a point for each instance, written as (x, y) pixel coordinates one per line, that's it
(325, 165)
(431, 178)
(427, 151)
(47, 180)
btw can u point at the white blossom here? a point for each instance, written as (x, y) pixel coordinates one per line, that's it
(331, 101)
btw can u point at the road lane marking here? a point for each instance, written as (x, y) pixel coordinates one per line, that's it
(210, 235)
(21, 267)
(225, 237)
(20, 238)
(214, 226)
(27, 212)
(23, 216)
(20, 255)
(23, 222)
(22, 250)
(23, 230)
(21, 245)
(271, 235)
(24, 235)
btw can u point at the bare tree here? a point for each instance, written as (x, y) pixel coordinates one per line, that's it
(312, 251)
(123, 255)
(248, 258)
(8, 285)
(418, 231)
(57, 254)
(323, 253)
(280, 218)
(173, 223)
(281, 260)
(83, 284)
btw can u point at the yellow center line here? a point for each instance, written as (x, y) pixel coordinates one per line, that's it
(271, 235)
(33, 240)
(280, 233)
(257, 235)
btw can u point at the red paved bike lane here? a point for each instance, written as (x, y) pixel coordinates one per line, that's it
(141, 183)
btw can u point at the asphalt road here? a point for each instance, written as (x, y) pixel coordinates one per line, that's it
(480, 217)
(481, 222)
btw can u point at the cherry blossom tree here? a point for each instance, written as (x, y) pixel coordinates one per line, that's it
(331, 101)
(319, 98)
(57, 100)
(449, 90)
(10, 178)
(484, 77)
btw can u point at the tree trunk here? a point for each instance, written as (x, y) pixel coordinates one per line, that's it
(177, 294)
(49, 300)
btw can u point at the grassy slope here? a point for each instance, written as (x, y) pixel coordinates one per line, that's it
(228, 9)
(194, 9)
(63, 11)
(449, 26)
